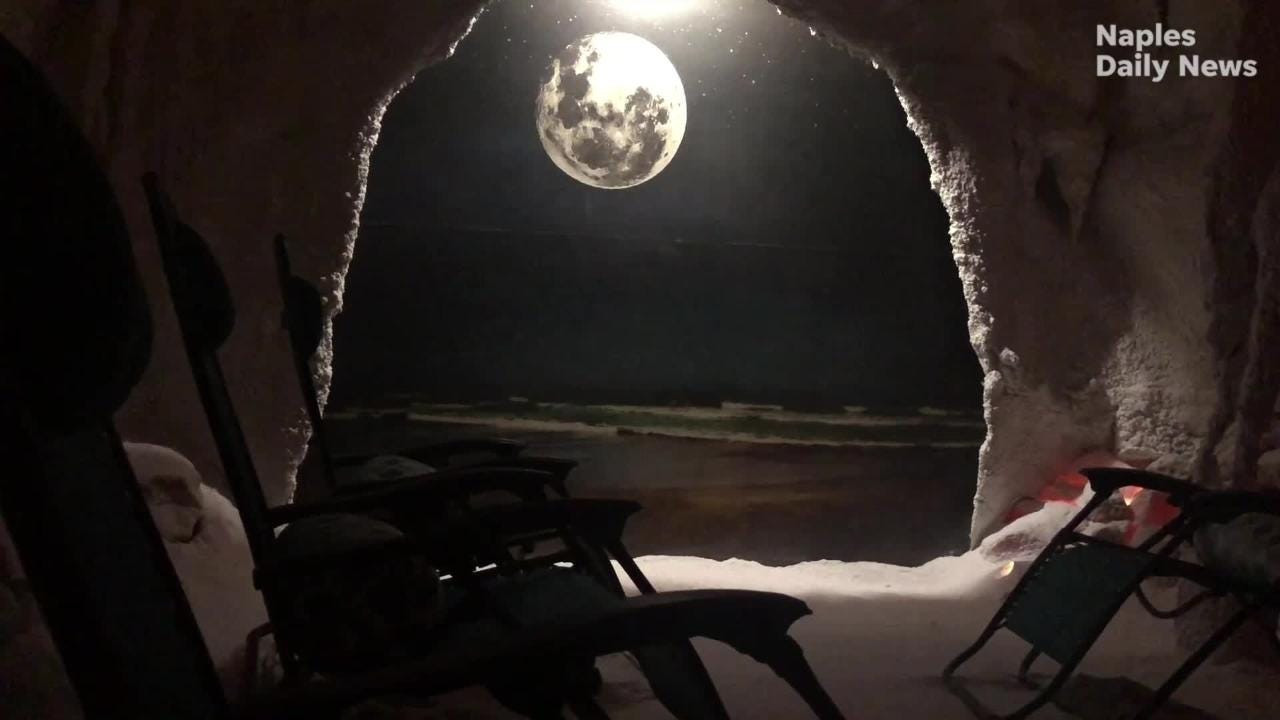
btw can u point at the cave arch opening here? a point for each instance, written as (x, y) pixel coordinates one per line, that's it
(771, 332)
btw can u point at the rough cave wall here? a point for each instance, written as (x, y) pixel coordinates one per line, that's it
(1122, 296)
(258, 118)
(1104, 229)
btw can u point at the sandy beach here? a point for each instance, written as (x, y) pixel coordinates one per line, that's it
(771, 502)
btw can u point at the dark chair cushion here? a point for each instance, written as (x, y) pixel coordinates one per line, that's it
(326, 535)
(384, 470)
(343, 616)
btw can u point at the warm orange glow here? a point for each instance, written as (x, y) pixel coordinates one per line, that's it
(1007, 569)
(1073, 479)
(1130, 494)
(1064, 488)
(1160, 511)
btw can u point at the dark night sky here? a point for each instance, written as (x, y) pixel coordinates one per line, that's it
(792, 251)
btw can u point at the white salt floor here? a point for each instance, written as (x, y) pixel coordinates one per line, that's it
(880, 634)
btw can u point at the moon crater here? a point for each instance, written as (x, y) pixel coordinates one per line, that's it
(612, 112)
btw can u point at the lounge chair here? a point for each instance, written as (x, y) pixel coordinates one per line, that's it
(357, 608)
(1071, 591)
(303, 320)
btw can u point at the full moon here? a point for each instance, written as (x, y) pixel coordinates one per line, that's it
(612, 113)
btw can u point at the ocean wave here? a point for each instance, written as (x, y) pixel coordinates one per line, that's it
(737, 423)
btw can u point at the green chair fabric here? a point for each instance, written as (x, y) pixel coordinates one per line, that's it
(1073, 595)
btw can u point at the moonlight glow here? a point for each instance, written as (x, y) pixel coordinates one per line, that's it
(654, 9)
(612, 112)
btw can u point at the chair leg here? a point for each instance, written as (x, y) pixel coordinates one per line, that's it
(786, 658)
(972, 650)
(1025, 668)
(538, 694)
(1044, 696)
(973, 704)
(629, 566)
(680, 681)
(587, 709)
(1194, 661)
(1046, 693)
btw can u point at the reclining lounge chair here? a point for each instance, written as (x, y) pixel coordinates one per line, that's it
(1078, 583)
(358, 609)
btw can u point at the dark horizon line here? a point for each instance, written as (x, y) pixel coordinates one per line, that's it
(680, 238)
(796, 403)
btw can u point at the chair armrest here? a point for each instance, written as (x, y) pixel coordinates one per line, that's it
(273, 569)
(598, 521)
(1106, 481)
(439, 454)
(352, 459)
(559, 468)
(556, 471)
(438, 487)
(746, 620)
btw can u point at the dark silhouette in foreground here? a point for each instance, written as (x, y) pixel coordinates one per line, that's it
(74, 338)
